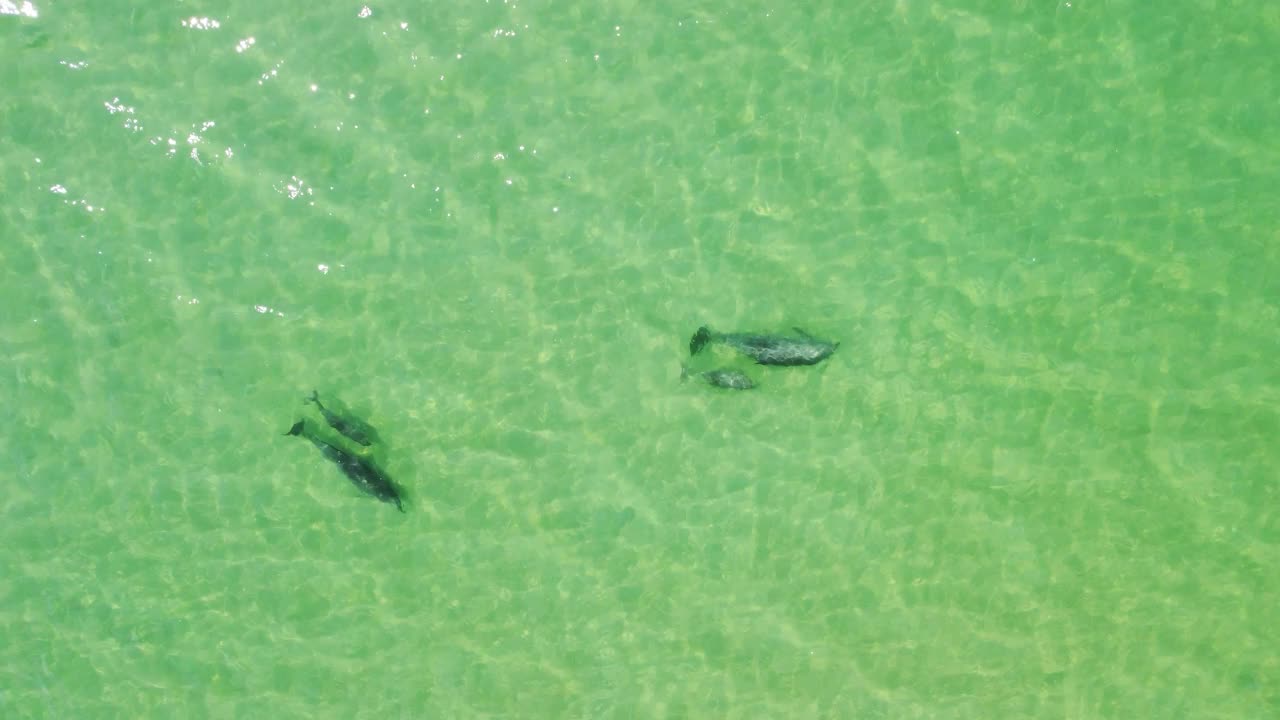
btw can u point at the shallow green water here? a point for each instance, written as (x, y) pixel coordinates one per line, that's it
(1038, 478)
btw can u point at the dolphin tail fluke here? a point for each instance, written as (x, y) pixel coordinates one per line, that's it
(297, 428)
(315, 397)
(699, 339)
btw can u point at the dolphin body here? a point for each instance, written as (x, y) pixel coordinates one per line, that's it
(358, 470)
(723, 378)
(354, 429)
(804, 349)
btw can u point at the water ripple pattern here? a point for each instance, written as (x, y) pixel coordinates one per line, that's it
(1036, 479)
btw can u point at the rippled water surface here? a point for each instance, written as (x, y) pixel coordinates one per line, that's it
(1037, 478)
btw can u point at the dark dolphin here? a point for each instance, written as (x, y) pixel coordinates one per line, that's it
(361, 472)
(723, 377)
(357, 430)
(768, 349)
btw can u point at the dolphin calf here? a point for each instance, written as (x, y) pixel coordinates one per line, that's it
(354, 429)
(804, 349)
(359, 471)
(724, 378)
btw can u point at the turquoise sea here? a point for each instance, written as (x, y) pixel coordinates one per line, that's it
(1040, 477)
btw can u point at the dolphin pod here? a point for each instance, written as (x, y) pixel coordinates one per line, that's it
(358, 468)
(786, 350)
(766, 349)
(361, 472)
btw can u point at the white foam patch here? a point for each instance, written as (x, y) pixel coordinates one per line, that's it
(8, 7)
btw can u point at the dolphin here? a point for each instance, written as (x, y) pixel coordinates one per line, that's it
(358, 470)
(354, 429)
(768, 349)
(723, 377)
